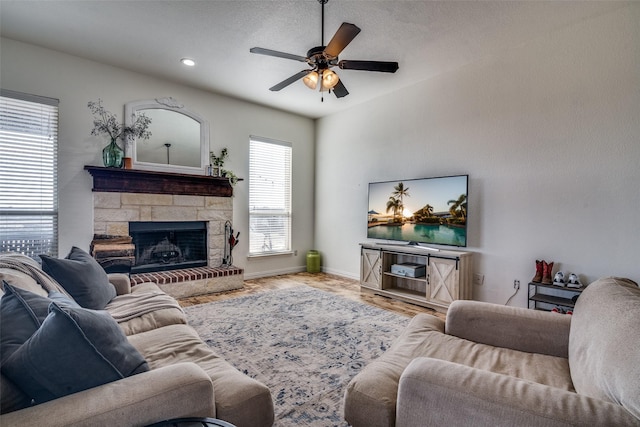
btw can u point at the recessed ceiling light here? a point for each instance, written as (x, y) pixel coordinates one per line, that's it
(188, 62)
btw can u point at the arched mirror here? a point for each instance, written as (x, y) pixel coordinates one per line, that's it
(179, 139)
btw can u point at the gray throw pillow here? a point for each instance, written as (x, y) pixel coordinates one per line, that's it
(81, 276)
(74, 349)
(21, 314)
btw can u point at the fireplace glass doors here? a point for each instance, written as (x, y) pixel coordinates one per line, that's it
(162, 246)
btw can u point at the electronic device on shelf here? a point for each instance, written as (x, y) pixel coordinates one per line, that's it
(419, 211)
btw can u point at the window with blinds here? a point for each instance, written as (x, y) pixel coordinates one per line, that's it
(269, 197)
(28, 174)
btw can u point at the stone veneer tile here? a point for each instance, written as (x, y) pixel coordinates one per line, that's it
(106, 200)
(109, 215)
(100, 227)
(145, 213)
(147, 199)
(214, 215)
(173, 213)
(181, 200)
(219, 203)
(118, 228)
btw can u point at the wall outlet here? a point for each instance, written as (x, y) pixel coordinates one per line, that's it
(516, 284)
(478, 279)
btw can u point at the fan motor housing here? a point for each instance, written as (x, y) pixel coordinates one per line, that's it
(317, 57)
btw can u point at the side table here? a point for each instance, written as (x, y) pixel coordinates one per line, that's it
(192, 422)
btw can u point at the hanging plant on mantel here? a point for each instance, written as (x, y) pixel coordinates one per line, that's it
(106, 123)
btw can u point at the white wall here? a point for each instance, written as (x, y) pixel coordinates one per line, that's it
(549, 133)
(75, 81)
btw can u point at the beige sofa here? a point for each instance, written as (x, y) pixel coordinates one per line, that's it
(186, 377)
(492, 365)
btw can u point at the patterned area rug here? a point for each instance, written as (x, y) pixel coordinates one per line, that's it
(303, 343)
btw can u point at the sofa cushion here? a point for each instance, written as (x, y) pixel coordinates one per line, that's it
(21, 280)
(21, 314)
(81, 276)
(603, 342)
(74, 349)
(145, 293)
(239, 399)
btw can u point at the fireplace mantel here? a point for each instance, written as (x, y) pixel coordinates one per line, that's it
(116, 180)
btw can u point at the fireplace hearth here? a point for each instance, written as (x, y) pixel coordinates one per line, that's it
(169, 245)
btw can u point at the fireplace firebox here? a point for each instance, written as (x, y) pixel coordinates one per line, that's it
(162, 246)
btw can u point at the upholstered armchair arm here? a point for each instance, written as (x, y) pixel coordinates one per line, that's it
(516, 328)
(438, 392)
(121, 282)
(175, 391)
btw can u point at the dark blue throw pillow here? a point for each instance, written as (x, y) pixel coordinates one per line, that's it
(73, 350)
(82, 277)
(21, 314)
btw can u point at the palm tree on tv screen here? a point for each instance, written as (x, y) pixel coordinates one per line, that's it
(393, 204)
(399, 193)
(458, 207)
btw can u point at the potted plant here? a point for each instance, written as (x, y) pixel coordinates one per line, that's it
(216, 164)
(105, 123)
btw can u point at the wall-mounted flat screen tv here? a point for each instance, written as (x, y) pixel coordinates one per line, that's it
(427, 210)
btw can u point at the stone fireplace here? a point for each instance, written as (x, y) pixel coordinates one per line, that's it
(161, 200)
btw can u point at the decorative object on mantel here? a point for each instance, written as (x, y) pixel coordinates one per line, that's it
(106, 123)
(186, 132)
(230, 242)
(216, 164)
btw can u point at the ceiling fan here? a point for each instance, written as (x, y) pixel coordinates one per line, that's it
(323, 58)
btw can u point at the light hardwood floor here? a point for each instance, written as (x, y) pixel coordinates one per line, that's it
(347, 288)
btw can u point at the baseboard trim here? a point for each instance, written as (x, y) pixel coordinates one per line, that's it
(270, 273)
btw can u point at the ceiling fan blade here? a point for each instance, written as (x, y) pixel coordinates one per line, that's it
(284, 55)
(339, 90)
(341, 39)
(290, 80)
(382, 66)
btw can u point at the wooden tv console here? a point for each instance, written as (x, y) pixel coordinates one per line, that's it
(447, 274)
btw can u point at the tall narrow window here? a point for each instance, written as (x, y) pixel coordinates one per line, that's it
(28, 174)
(269, 197)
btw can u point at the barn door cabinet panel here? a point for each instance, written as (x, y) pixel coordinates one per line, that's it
(416, 275)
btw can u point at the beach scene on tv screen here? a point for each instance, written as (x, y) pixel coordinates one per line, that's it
(431, 210)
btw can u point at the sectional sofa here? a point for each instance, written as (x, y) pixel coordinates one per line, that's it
(81, 348)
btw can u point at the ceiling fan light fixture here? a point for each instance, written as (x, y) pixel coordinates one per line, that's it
(329, 79)
(311, 80)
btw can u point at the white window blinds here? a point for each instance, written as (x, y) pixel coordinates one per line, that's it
(269, 197)
(28, 174)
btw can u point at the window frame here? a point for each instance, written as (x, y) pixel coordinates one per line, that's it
(40, 211)
(286, 213)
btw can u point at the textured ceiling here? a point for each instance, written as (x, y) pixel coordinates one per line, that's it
(426, 38)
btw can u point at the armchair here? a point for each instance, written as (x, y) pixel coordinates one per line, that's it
(491, 365)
